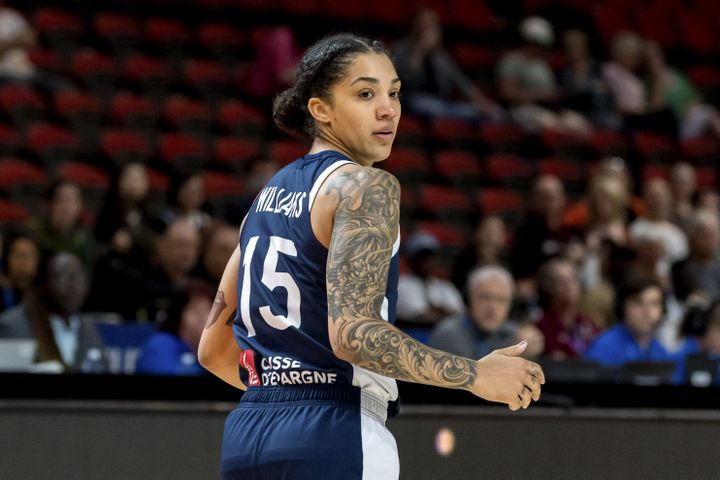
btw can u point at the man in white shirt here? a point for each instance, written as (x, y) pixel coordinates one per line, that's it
(16, 38)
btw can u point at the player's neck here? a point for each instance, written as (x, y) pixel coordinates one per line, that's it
(321, 144)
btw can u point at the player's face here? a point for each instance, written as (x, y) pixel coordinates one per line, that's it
(364, 109)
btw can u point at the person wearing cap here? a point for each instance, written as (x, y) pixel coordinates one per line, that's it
(423, 297)
(527, 83)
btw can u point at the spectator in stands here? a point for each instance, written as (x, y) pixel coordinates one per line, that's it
(20, 263)
(187, 197)
(707, 199)
(699, 273)
(527, 83)
(656, 222)
(173, 350)
(582, 84)
(567, 331)
(50, 313)
(488, 247)
(605, 229)
(61, 230)
(431, 78)
(17, 37)
(542, 235)
(423, 297)
(640, 304)
(578, 215)
(219, 246)
(683, 183)
(485, 326)
(643, 108)
(650, 258)
(122, 222)
(176, 255)
(695, 118)
(149, 286)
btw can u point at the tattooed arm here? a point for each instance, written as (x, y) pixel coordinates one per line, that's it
(365, 227)
(219, 352)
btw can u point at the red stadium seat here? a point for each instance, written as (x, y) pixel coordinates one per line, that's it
(151, 74)
(12, 213)
(458, 166)
(609, 142)
(454, 131)
(124, 146)
(446, 233)
(167, 32)
(61, 28)
(23, 104)
(655, 170)
(235, 152)
(84, 174)
(187, 115)
(697, 33)
(14, 173)
(240, 118)
(508, 169)
(445, 202)
(701, 150)
(95, 70)
(52, 144)
(159, 181)
(654, 146)
(182, 150)
(206, 76)
(222, 184)
(47, 59)
(500, 201)
(411, 131)
(9, 140)
(501, 137)
(474, 16)
(133, 111)
(408, 164)
(77, 106)
(562, 142)
(707, 176)
(286, 151)
(569, 171)
(121, 31)
(222, 39)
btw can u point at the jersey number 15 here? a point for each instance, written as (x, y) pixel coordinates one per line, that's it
(272, 279)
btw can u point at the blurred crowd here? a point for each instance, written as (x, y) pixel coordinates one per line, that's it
(627, 271)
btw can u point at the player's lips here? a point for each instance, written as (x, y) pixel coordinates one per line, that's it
(385, 133)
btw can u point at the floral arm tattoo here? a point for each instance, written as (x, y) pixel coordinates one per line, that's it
(365, 229)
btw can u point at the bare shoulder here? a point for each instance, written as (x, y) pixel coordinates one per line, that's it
(352, 183)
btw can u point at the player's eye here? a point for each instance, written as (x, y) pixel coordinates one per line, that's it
(395, 94)
(366, 94)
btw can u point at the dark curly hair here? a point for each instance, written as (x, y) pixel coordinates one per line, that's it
(323, 65)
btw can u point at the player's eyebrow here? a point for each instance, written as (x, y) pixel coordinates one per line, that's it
(372, 80)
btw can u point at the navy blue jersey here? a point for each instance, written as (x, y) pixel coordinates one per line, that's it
(282, 317)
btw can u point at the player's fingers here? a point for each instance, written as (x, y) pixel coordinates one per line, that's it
(534, 385)
(525, 397)
(515, 405)
(537, 372)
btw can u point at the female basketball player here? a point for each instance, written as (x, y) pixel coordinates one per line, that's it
(314, 282)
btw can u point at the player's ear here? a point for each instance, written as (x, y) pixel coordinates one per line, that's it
(319, 109)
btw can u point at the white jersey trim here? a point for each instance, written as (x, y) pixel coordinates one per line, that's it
(321, 178)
